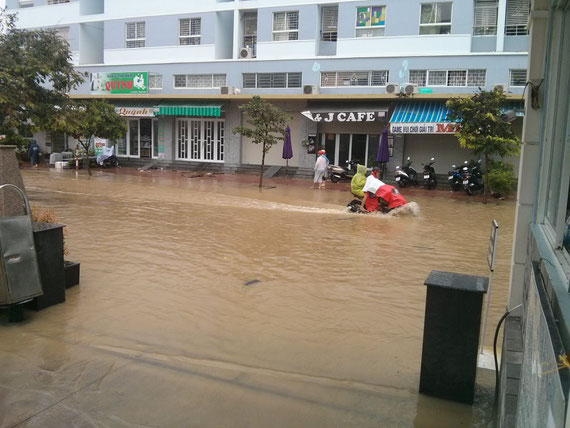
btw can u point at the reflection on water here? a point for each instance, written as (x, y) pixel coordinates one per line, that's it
(207, 302)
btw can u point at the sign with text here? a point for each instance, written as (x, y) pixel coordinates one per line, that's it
(344, 116)
(99, 145)
(423, 128)
(136, 111)
(119, 83)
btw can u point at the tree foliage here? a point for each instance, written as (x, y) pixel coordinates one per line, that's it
(481, 127)
(268, 124)
(36, 74)
(86, 119)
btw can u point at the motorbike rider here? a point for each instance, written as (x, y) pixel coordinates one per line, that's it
(370, 201)
(358, 181)
(389, 198)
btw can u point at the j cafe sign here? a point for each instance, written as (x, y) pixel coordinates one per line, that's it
(423, 128)
(345, 116)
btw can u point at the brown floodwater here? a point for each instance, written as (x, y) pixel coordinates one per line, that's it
(208, 302)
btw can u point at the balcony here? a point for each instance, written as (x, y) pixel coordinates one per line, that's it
(160, 55)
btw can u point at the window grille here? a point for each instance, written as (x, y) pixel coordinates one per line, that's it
(190, 30)
(354, 78)
(485, 20)
(155, 81)
(272, 80)
(518, 78)
(457, 78)
(199, 80)
(476, 78)
(379, 78)
(435, 18)
(437, 78)
(370, 21)
(57, 1)
(516, 23)
(329, 23)
(418, 77)
(286, 26)
(250, 31)
(328, 79)
(135, 35)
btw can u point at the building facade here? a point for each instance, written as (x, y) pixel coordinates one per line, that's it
(178, 72)
(535, 381)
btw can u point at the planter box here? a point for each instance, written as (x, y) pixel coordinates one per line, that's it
(71, 273)
(48, 239)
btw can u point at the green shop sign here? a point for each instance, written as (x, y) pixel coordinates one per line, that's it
(119, 83)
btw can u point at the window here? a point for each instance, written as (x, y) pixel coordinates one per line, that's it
(435, 18)
(516, 23)
(135, 35)
(418, 77)
(485, 21)
(354, 78)
(155, 81)
(518, 78)
(249, 20)
(329, 23)
(272, 80)
(199, 80)
(189, 31)
(57, 1)
(448, 77)
(286, 26)
(370, 21)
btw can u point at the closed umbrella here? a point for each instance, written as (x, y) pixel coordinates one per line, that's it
(287, 149)
(383, 157)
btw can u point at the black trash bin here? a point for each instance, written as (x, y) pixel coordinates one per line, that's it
(451, 335)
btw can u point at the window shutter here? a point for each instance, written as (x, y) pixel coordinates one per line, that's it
(196, 25)
(485, 13)
(517, 12)
(292, 20)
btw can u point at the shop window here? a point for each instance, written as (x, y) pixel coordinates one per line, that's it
(135, 35)
(370, 21)
(517, 78)
(435, 18)
(329, 23)
(516, 22)
(189, 31)
(286, 26)
(485, 20)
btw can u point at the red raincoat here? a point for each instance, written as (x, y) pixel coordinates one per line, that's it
(391, 195)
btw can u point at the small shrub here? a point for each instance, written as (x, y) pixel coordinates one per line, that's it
(47, 215)
(501, 178)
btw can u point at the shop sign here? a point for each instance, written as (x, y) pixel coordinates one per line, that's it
(345, 116)
(100, 144)
(423, 128)
(136, 111)
(119, 83)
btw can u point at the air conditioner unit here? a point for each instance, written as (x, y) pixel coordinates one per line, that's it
(310, 89)
(227, 90)
(245, 53)
(411, 88)
(392, 88)
(501, 87)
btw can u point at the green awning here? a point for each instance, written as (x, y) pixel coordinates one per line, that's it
(187, 109)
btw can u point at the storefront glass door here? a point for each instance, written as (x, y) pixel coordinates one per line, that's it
(140, 140)
(133, 137)
(145, 139)
(358, 148)
(344, 147)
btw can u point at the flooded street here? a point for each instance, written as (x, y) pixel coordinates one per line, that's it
(207, 302)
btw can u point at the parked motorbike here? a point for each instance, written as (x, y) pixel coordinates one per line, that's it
(455, 177)
(472, 177)
(406, 175)
(338, 173)
(110, 162)
(107, 159)
(430, 181)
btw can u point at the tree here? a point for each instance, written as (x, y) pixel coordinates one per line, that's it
(86, 119)
(268, 122)
(36, 74)
(482, 129)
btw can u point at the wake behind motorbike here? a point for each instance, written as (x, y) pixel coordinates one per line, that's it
(406, 175)
(430, 181)
(338, 173)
